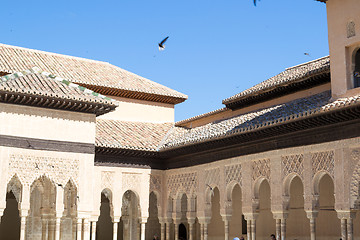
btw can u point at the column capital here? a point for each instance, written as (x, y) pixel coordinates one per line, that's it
(226, 217)
(204, 220)
(191, 220)
(312, 214)
(251, 216)
(143, 220)
(345, 214)
(280, 215)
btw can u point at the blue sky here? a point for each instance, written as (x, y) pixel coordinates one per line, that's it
(215, 50)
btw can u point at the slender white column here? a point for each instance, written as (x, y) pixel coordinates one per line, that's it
(191, 231)
(79, 229)
(248, 229)
(283, 228)
(312, 228)
(343, 229)
(176, 229)
(57, 228)
(205, 232)
(22, 227)
(143, 225)
(278, 229)
(44, 229)
(350, 229)
(167, 237)
(93, 230)
(115, 230)
(162, 230)
(226, 226)
(86, 229)
(202, 231)
(253, 229)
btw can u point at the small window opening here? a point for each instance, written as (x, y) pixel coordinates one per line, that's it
(357, 70)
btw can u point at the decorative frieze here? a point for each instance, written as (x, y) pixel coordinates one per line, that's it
(107, 179)
(323, 161)
(28, 168)
(292, 164)
(212, 176)
(131, 181)
(233, 173)
(351, 29)
(261, 168)
(155, 183)
(355, 179)
(184, 182)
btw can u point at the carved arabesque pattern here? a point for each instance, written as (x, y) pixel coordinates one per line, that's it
(261, 168)
(131, 181)
(28, 168)
(107, 179)
(14, 186)
(351, 29)
(212, 176)
(323, 161)
(355, 179)
(184, 182)
(292, 164)
(155, 183)
(233, 173)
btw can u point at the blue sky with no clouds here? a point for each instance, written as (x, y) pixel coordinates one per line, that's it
(215, 49)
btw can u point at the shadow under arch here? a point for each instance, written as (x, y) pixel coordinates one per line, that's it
(153, 226)
(104, 226)
(10, 221)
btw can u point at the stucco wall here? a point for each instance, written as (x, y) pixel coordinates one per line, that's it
(141, 111)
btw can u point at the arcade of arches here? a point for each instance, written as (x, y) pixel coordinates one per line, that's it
(301, 193)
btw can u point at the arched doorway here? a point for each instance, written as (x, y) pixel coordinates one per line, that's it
(182, 232)
(265, 224)
(216, 227)
(327, 222)
(130, 215)
(41, 220)
(297, 224)
(68, 221)
(10, 221)
(237, 225)
(153, 226)
(104, 226)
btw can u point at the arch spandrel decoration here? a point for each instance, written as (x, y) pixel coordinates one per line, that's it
(350, 29)
(261, 168)
(107, 179)
(323, 161)
(29, 168)
(355, 180)
(233, 174)
(131, 181)
(15, 187)
(155, 183)
(292, 164)
(184, 182)
(212, 177)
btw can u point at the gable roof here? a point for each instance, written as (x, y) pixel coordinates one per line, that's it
(101, 77)
(292, 79)
(37, 88)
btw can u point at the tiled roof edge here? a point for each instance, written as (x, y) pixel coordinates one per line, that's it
(201, 116)
(36, 70)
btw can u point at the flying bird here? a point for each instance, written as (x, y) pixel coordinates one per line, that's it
(255, 3)
(307, 54)
(162, 44)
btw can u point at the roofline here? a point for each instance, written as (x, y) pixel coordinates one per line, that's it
(197, 117)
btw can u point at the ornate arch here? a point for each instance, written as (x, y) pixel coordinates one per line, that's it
(229, 189)
(355, 181)
(287, 182)
(15, 186)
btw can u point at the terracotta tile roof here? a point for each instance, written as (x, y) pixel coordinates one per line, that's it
(201, 116)
(85, 72)
(130, 135)
(290, 75)
(30, 86)
(272, 116)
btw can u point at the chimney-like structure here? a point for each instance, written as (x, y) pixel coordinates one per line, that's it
(344, 42)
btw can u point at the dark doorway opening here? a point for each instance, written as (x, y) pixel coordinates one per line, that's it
(182, 232)
(10, 222)
(357, 70)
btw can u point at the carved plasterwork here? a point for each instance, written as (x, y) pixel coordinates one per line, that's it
(261, 168)
(107, 179)
(28, 168)
(212, 176)
(292, 164)
(323, 161)
(131, 181)
(14, 186)
(351, 29)
(355, 179)
(155, 183)
(185, 182)
(233, 173)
